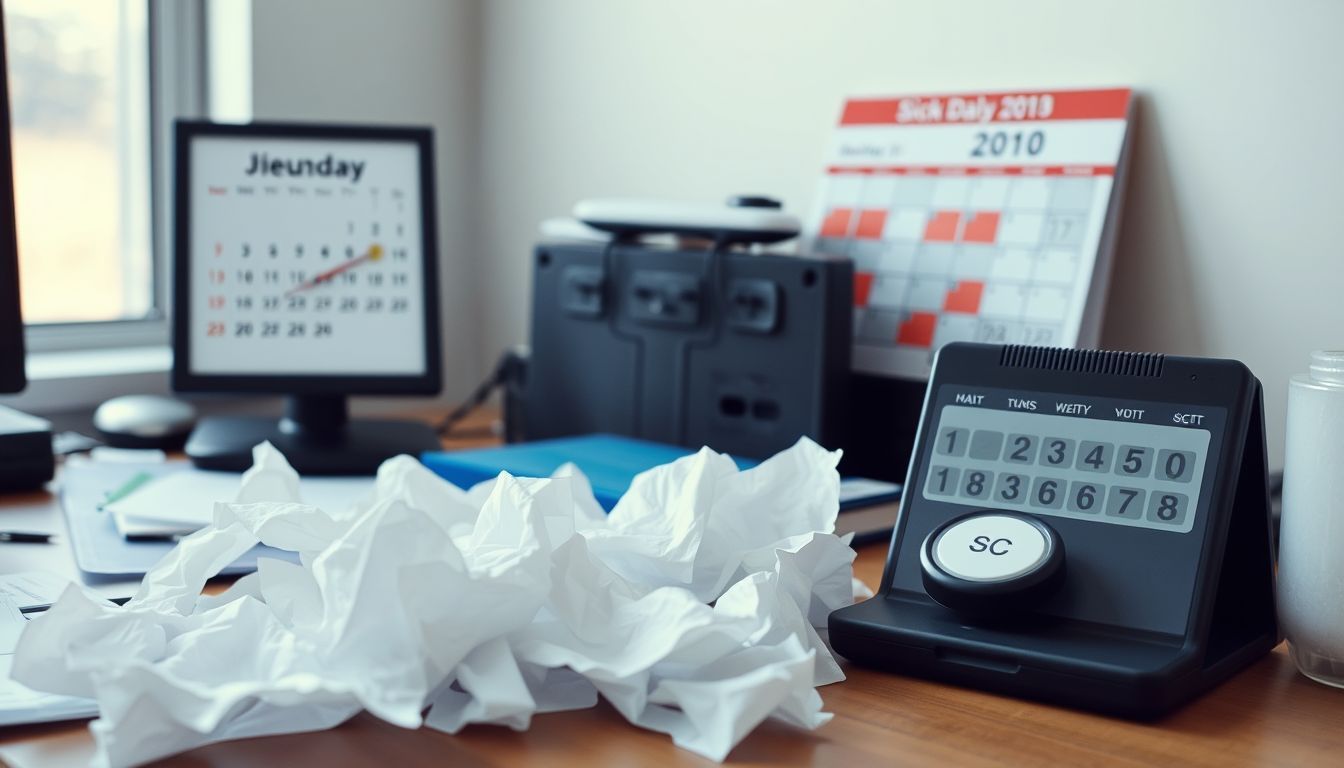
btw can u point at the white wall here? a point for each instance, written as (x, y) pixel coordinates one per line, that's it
(402, 61)
(1229, 246)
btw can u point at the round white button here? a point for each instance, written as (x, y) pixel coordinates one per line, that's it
(990, 548)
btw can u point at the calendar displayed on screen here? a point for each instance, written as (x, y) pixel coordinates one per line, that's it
(973, 217)
(306, 257)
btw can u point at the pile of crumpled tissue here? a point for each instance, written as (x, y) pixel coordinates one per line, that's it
(690, 608)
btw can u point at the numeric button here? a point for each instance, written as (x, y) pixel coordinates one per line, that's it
(1095, 457)
(1021, 449)
(1048, 493)
(1012, 489)
(976, 484)
(986, 445)
(1134, 461)
(1126, 503)
(1168, 508)
(952, 441)
(1086, 498)
(1176, 466)
(942, 481)
(1057, 452)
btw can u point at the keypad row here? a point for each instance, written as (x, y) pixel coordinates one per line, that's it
(1135, 461)
(1055, 494)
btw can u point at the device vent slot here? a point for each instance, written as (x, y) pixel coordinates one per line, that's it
(1083, 360)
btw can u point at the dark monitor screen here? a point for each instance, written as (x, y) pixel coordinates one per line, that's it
(11, 321)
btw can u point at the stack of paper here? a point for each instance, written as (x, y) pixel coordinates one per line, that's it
(183, 502)
(19, 704)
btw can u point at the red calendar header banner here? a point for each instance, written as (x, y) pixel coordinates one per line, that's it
(981, 108)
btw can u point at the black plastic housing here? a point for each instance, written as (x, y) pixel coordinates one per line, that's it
(1125, 668)
(743, 352)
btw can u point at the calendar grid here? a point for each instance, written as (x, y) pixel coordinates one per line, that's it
(308, 274)
(1000, 250)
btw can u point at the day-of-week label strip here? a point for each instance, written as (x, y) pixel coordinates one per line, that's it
(1144, 412)
(973, 170)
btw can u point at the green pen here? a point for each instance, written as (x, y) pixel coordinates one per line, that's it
(125, 489)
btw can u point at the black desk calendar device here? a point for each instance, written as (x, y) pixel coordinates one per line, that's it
(305, 266)
(1082, 527)
(690, 344)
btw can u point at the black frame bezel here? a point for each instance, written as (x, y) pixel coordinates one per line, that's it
(12, 352)
(184, 380)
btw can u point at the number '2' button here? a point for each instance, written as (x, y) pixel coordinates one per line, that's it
(1021, 449)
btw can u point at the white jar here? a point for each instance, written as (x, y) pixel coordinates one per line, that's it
(1311, 536)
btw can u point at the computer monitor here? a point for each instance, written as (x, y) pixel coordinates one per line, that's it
(305, 265)
(11, 318)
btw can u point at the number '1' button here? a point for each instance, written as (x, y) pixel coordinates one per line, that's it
(952, 441)
(942, 481)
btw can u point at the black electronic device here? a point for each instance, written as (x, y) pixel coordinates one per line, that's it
(12, 378)
(305, 263)
(26, 458)
(744, 352)
(1086, 528)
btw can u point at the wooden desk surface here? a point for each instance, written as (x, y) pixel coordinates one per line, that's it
(1267, 715)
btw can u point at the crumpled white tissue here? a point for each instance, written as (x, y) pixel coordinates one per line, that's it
(690, 608)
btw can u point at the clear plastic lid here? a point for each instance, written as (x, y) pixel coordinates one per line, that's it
(1327, 366)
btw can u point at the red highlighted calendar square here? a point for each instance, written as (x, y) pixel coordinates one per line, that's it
(863, 287)
(918, 330)
(942, 227)
(836, 223)
(965, 297)
(982, 227)
(973, 217)
(870, 225)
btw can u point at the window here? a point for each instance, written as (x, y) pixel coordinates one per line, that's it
(79, 85)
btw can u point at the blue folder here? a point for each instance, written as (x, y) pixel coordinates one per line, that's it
(610, 463)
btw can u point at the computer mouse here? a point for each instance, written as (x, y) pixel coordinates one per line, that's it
(144, 421)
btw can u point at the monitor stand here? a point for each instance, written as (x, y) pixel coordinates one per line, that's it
(316, 435)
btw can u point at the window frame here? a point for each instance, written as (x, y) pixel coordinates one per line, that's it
(75, 366)
(179, 87)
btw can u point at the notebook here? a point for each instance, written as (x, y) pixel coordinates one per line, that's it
(99, 547)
